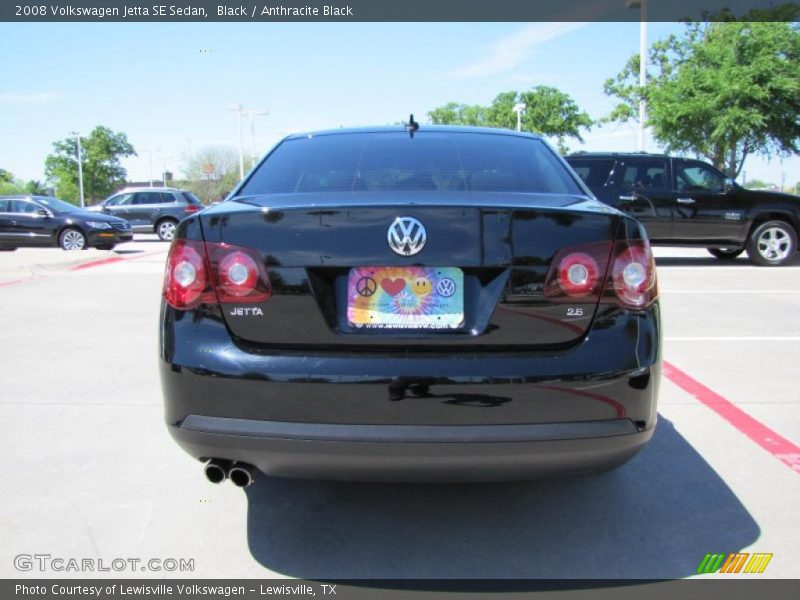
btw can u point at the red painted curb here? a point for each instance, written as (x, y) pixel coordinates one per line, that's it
(21, 280)
(777, 445)
(88, 265)
(98, 263)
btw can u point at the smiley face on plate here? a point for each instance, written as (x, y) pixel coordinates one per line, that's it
(421, 286)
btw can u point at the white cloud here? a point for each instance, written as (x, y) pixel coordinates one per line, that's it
(28, 98)
(508, 52)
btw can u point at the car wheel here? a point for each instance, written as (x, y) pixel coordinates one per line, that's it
(772, 243)
(72, 239)
(105, 246)
(725, 253)
(166, 229)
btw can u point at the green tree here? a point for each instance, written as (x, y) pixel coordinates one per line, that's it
(549, 112)
(37, 188)
(10, 185)
(720, 90)
(454, 113)
(102, 171)
(212, 172)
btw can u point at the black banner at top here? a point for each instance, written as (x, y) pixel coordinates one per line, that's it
(394, 10)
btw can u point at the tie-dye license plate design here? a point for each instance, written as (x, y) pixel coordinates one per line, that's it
(405, 297)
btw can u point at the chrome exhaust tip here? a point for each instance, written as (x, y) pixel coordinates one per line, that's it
(241, 475)
(216, 470)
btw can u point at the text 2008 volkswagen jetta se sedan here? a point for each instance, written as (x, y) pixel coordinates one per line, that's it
(430, 304)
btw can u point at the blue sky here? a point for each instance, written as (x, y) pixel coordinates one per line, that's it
(169, 86)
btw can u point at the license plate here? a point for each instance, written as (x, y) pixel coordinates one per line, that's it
(405, 297)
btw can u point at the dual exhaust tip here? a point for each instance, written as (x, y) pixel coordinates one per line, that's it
(241, 474)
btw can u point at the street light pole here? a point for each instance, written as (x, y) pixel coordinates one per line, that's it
(642, 73)
(642, 6)
(519, 108)
(150, 152)
(164, 160)
(80, 167)
(253, 114)
(237, 108)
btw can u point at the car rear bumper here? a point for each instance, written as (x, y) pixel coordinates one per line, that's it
(460, 416)
(413, 453)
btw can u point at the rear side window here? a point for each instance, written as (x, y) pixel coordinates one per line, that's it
(645, 174)
(23, 206)
(432, 161)
(119, 200)
(595, 173)
(4, 205)
(147, 198)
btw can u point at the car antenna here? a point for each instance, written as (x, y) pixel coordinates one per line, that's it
(412, 126)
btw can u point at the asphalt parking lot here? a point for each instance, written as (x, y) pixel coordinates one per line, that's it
(90, 471)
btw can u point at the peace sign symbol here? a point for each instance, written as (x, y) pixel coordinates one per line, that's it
(366, 286)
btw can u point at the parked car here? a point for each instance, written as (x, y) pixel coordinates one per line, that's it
(686, 202)
(151, 209)
(29, 221)
(441, 303)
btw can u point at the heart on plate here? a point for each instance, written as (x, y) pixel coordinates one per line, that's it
(393, 286)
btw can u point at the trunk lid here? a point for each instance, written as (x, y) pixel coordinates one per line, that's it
(502, 243)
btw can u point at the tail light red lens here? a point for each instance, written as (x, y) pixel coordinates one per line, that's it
(583, 273)
(633, 277)
(191, 208)
(206, 273)
(239, 274)
(578, 272)
(185, 278)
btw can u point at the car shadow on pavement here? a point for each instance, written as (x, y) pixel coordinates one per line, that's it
(655, 517)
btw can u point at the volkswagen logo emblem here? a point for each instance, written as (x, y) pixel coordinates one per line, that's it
(407, 236)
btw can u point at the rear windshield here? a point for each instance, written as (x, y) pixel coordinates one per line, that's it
(428, 161)
(594, 172)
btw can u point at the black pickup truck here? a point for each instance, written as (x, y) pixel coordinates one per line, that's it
(685, 202)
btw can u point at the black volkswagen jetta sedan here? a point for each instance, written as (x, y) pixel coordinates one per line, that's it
(37, 221)
(418, 304)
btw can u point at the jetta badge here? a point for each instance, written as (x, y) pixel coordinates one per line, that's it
(407, 236)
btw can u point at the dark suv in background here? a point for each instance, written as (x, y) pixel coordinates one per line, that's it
(151, 209)
(686, 202)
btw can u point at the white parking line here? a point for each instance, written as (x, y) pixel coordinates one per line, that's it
(722, 269)
(668, 291)
(790, 338)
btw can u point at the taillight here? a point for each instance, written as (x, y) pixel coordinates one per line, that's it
(578, 272)
(633, 277)
(206, 273)
(191, 208)
(186, 277)
(239, 273)
(582, 273)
